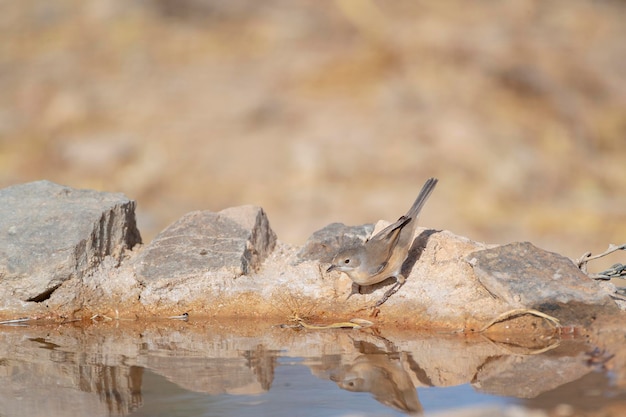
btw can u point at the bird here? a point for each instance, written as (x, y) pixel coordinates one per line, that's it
(382, 256)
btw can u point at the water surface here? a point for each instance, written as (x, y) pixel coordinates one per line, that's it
(200, 368)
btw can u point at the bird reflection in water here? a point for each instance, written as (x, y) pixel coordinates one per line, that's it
(385, 375)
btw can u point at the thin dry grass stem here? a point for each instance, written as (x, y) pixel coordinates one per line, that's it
(294, 307)
(520, 312)
(16, 322)
(103, 317)
(553, 321)
(100, 317)
(67, 321)
(524, 351)
(301, 312)
(355, 323)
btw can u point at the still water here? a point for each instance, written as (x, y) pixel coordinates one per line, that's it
(197, 368)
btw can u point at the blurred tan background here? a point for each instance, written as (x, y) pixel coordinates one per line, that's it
(328, 111)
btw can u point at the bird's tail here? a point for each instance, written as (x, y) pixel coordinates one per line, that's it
(427, 189)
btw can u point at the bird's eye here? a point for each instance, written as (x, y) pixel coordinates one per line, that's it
(347, 261)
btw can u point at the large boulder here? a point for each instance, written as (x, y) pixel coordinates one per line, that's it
(50, 233)
(203, 249)
(525, 276)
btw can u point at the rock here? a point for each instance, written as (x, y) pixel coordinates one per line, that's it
(261, 240)
(194, 262)
(326, 242)
(236, 240)
(110, 288)
(440, 290)
(525, 276)
(65, 246)
(50, 233)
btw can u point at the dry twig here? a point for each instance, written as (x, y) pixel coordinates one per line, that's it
(354, 323)
(617, 270)
(519, 312)
(15, 322)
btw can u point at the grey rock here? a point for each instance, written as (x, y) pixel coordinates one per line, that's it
(525, 276)
(66, 247)
(236, 240)
(50, 233)
(326, 242)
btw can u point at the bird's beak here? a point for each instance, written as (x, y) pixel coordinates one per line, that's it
(331, 268)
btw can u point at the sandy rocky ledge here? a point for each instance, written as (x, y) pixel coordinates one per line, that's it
(67, 253)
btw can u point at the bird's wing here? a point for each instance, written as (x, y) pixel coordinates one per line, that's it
(380, 247)
(390, 233)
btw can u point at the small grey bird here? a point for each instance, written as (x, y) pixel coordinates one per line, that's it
(382, 256)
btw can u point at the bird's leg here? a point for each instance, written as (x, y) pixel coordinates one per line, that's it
(400, 280)
(356, 289)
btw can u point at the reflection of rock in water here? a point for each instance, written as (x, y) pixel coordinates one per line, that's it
(117, 387)
(98, 370)
(262, 362)
(529, 376)
(382, 374)
(40, 379)
(250, 373)
(84, 372)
